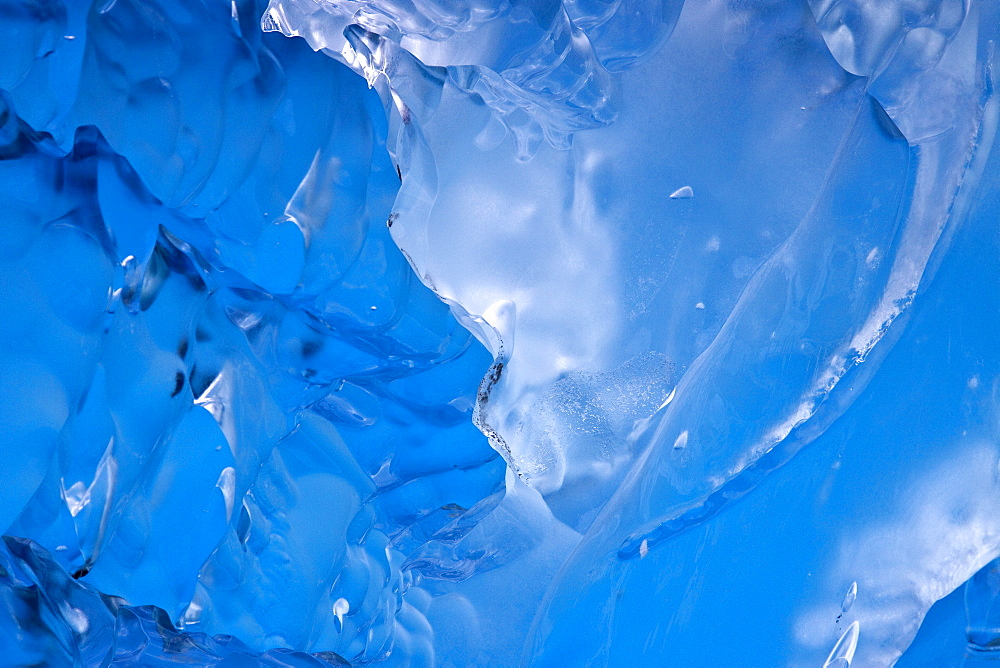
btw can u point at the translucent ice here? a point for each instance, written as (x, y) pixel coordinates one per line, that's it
(543, 333)
(212, 349)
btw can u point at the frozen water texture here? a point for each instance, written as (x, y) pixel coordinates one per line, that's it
(212, 349)
(495, 333)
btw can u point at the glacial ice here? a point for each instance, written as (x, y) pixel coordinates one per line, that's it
(437, 332)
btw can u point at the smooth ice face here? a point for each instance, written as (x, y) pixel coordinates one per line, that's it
(590, 236)
(664, 248)
(683, 299)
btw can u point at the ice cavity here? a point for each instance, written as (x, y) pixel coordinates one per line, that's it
(592, 248)
(748, 319)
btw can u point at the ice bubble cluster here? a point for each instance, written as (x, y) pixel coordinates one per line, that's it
(499, 332)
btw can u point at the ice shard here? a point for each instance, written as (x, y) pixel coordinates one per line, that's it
(573, 332)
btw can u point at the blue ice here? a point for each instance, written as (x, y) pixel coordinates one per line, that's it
(454, 333)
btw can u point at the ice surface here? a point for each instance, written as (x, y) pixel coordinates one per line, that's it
(212, 349)
(552, 333)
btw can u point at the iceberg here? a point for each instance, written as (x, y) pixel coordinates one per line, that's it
(646, 332)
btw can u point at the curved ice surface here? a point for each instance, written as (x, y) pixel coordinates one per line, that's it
(716, 280)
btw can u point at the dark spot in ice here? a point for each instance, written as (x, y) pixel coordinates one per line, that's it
(178, 384)
(310, 348)
(201, 335)
(489, 381)
(399, 174)
(80, 572)
(486, 386)
(243, 525)
(182, 348)
(332, 658)
(392, 219)
(454, 510)
(199, 382)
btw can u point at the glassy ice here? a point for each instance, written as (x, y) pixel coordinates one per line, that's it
(499, 333)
